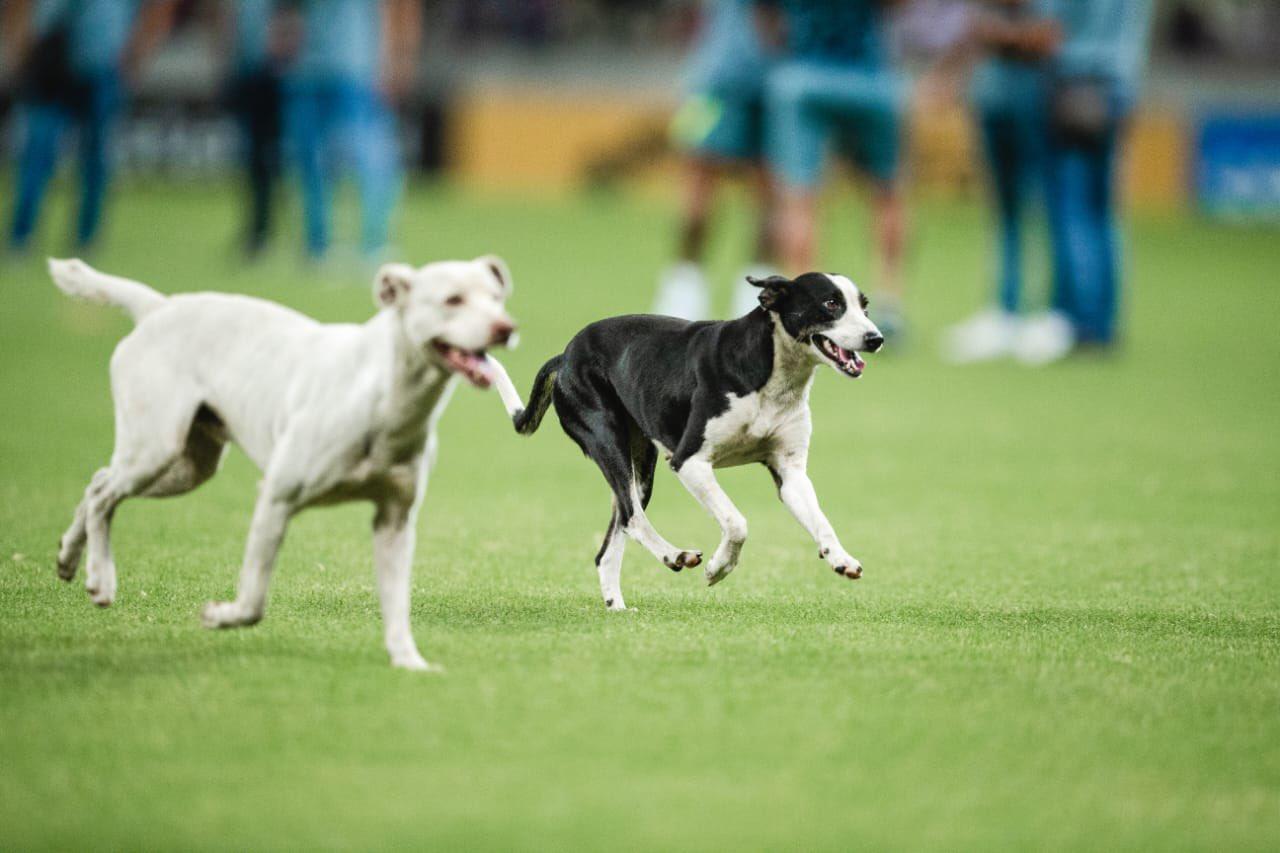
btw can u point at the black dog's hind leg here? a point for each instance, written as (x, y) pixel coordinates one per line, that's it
(604, 433)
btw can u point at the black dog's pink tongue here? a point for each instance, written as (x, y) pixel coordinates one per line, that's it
(857, 362)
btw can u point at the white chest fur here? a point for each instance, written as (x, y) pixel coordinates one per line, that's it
(761, 425)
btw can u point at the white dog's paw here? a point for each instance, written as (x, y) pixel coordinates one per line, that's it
(414, 662)
(101, 587)
(841, 563)
(616, 604)
(227, 614)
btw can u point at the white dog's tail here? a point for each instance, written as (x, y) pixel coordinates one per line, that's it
(76, 278)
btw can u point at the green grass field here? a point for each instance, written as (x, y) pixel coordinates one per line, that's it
(1068, 634)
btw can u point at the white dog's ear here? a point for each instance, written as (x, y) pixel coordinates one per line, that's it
(498, 268)
(392, 284)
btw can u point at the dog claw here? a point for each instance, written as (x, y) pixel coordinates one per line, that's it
(851, 573)
(683, 560)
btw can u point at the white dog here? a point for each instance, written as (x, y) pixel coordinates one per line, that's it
(329, 413)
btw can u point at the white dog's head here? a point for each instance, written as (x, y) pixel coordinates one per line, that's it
(452, 310)
(826, 314)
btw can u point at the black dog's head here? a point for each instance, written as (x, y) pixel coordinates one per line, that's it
(825, 313)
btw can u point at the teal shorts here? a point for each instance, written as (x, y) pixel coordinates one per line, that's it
(721, 127)
(813, 106)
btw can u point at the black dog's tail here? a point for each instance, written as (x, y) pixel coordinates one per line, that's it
(528, 419)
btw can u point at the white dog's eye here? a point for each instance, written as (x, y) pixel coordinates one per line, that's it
(455, 300)
(832, 305)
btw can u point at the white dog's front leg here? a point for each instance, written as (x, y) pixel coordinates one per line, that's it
(796, 490)
(699, 478)
(393, 544)
(270, 518)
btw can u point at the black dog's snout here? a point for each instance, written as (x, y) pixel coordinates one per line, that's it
(873, 341)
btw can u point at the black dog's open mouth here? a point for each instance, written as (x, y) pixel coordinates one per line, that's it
(845, 361)
(474, 366)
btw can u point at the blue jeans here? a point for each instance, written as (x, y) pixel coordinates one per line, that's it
(339, 124)
(1014, 141)
(38, 158)
(1085, 241)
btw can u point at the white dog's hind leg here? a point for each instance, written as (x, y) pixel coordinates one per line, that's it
(270, 518)
(609, 564)
(393, 543)
(699, 478)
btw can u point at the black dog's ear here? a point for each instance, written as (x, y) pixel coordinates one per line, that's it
(771, 289)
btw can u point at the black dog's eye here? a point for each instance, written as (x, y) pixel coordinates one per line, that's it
(454, 300)
(832, 305)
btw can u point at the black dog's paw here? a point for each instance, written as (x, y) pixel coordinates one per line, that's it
(683, 560)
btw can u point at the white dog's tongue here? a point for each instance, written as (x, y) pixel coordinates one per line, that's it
(474, 367)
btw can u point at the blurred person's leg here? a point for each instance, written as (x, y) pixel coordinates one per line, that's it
(869, 136)
(44, 124)
(796, 134)
(376, 155)
(95, 155)
(989, 334)
(718, 134)
(1096, 314)
(308, 121)
(256, 98)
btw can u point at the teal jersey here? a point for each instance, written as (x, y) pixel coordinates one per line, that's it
(1106, 39)
(842, 31)
(98, 30)
(341, 39)
(728, 57)
(252, 28)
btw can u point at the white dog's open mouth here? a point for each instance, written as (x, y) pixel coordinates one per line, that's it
(471, 365)
(845, 361)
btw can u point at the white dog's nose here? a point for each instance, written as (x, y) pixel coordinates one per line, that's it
(873, 341)
(501, 333)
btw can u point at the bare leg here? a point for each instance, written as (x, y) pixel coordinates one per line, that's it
(394, 536)
(797, 229)
(891, 236)
(796, 491)
(699, 478)
(699, 196)
(270, 518)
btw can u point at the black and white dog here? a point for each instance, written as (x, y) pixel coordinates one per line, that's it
(707, 395)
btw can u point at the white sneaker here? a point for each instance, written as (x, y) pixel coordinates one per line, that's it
(746, 297)
(985, 336)
(682, 292)
(1044, 339)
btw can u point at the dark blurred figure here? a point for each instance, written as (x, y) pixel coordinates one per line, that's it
(356, 59)
(718, 128)
(256, 42)
(1097, 75)
(77, 59)
(1010, 93)
(838, 88)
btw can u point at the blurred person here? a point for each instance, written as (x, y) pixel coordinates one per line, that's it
(719, 128)
(356, 59)
(1009, 92)
(255, 41)
(1097, 72)
(76, 61)
(837, 87)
